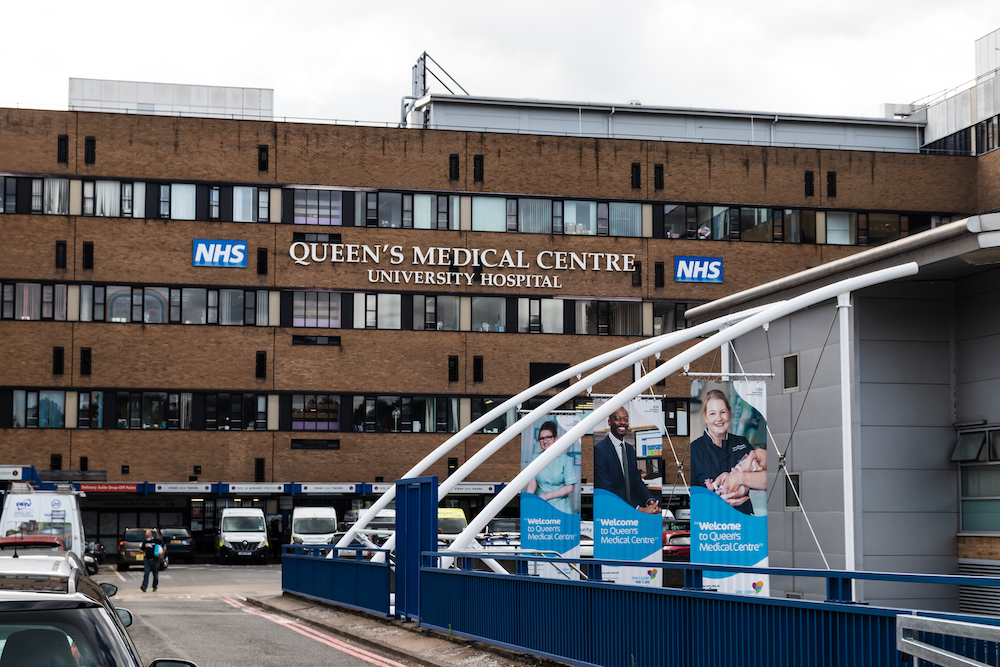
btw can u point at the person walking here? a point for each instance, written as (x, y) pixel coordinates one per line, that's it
(153, 550)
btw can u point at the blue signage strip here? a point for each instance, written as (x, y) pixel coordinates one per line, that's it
(219, 252)
(698, 269)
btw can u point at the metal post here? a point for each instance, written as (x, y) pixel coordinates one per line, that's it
(843, 308)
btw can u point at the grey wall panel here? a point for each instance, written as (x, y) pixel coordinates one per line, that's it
(910, 289)
(976, 359)
(926, 362)
(896, 563)
(894, 491)
(819, 450)
(910, 534)
(978, 400)
(829, 527)
(822, 409)
(911, 446)
(905, 405)
(909, 319)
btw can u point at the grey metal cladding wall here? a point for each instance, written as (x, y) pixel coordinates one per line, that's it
(977, 347)
(908, 494)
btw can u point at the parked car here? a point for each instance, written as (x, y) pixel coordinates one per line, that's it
(32, 543)
(677, 545)
(51, 613)
(130, 548)
(179, 542)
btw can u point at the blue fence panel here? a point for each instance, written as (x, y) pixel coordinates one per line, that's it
(346, 581)
(596, 623)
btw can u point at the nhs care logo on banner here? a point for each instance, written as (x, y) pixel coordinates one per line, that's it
(216, 252)
(697, 269)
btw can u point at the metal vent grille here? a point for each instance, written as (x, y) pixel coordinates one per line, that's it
(979, 599)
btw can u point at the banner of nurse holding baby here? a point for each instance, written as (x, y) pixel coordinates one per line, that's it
(729, 482)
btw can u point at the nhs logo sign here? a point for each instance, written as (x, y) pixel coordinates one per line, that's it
(215, 252)
(698, 269)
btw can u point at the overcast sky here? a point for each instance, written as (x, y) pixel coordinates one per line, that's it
(352, 60)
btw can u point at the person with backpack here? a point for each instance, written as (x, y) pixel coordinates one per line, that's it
(153, 550)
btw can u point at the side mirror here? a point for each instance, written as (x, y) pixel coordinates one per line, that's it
(109, 589)
(125, 616)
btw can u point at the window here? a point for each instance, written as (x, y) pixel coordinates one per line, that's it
(658, 176)
(841, 227)
(483, 405)
(580, 218)
(534, 216)
(756, 225)
(90, 150)
(55, 462)
(88, 198)
(477, 369)
(604, 318)
(315, 444)
(60, 254)
(453, 167)
(540, 316)
(668, 317)
(793, 491)
(390, 209)
(675, 221)
(56, 196)
(790, 373)
(261, 261)
(883, 228)
(10, 195)
(659, 274)
(84, 464)
(831, 184)
(315, 412)
(477, 168)
(637, 275)
(441, 313)
(258, 470)
(317, 207)
(182, 201)
(810, 186)
(636, 175)
(316, 309)
(245, 204)
(62, 148)
(263, 205)
(107, 198)
(541, 371)
(315, 340)
(489, 313)
(58, 357)
(489, 214)
(85, 360)
(90, 409)
(452, 369)
(164, 201)
(261, 364)
(127, 198)
(262, 157)
(213, 203)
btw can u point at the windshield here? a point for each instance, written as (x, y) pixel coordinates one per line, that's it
(84, 636)
(243, 524)
(451, 526)
(680, 540)
(176, 532)
(136, 535)
(314, 525)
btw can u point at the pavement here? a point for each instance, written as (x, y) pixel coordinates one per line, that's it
(405, 641)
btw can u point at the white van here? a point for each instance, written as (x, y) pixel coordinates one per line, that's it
(314, 525)
(57, 513)
(242, 535)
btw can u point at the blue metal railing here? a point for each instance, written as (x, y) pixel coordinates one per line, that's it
(598, 623)
(346, 579)
(592, 622)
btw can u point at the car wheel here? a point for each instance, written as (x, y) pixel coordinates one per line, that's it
(122, 567)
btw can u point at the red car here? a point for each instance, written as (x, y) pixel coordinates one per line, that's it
(676, 545)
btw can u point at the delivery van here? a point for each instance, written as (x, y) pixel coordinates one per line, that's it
(314, 525)
(242, 535)
(27, 511)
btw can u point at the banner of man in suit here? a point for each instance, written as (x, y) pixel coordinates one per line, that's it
(627, 479)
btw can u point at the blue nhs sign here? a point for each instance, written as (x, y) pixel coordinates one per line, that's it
(697, 269)
(215, 252)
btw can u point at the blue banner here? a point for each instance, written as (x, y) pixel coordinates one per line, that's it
(723, 535)
(621, 532)
(545, 528)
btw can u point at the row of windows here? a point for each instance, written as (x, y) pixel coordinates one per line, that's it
(383, 413)
(123, 303)
(527, 215)
(334, 310)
